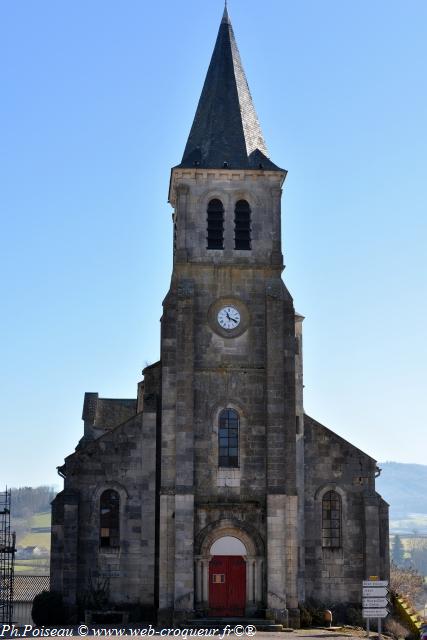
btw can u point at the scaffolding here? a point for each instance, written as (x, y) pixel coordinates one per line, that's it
(7, 559)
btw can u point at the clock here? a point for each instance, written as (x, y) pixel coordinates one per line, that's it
(228, 318)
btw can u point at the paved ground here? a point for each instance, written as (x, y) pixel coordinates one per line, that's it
(240, 633)
(337, 634)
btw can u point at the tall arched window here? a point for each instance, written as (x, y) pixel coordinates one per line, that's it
(331, 520)
(228, 438)
(215, 238)
(109, 519)
(242, 225)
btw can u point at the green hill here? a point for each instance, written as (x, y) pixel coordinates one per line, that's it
(404, 486)
(38, 534)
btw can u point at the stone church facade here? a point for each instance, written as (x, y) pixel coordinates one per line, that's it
(212, 493)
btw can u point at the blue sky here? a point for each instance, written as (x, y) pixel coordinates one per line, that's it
(97, 103)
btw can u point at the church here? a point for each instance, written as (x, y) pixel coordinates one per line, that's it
(213, 493)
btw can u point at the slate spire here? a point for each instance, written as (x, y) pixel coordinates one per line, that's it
(226, 131)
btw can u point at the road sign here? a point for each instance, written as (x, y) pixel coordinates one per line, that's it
(375, 583)
(374, 613)
(374, 592)
(369, 603)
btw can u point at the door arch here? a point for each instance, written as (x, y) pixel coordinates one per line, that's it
(238, 556)
(227, 577)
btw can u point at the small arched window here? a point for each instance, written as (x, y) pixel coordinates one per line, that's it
(109, 519)
(215, 238)
(242, 225)
(331, 520)
(228, 438)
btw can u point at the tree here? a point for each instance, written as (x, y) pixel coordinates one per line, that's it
(397, 551)
(406, 582)
(417, 547)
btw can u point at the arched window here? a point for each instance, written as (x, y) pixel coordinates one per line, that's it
(228, 438)
(242, 225)
(109, 519)
(215, 238)
(331, 520)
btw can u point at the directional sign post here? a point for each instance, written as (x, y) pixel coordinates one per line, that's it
(373, 592)
(374, 602)
(375, 613)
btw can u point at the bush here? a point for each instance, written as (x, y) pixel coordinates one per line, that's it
(396, 629)
(355, 618)
(313, 613)
(48, 609)
(306, 619)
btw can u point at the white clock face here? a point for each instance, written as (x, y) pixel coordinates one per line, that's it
(228, 318)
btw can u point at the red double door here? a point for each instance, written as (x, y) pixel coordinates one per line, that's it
(227, 586)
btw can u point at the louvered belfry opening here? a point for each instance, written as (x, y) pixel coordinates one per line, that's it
(215, 238)
(242, 225)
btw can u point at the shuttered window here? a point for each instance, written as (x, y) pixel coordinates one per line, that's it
(242, 225)
(215, 230)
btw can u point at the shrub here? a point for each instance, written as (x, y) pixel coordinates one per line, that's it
(305, 617)
(396, 629)
(354, 617)
(48, 609)
(316, 611)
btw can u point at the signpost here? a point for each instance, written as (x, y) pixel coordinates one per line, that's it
(375, 613)
(371, 603)
(374, 602)
(375, 592)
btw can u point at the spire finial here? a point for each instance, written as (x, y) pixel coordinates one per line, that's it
(225, 17)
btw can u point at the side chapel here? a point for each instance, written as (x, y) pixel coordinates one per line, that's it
(213, 493)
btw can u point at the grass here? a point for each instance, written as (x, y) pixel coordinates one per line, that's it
(41, 520)
(40, 566)
(33, 539)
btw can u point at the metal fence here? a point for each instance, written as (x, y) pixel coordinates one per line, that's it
(25, 590)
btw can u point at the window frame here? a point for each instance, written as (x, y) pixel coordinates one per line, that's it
(109, 519)
(331, 513)
(215, 225)
(228, 439)
(242, 226)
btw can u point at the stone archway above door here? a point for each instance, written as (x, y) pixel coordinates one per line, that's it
(215, 537)
(228, 546)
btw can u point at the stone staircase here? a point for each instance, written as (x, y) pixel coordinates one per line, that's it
(260, 624)
(409, 615)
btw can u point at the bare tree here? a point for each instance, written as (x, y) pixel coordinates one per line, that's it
(417, 547)
(406, 581)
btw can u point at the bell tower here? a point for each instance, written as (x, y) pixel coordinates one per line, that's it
(211, 494)
(228, 352)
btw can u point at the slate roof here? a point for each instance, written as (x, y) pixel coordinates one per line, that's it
(226, 131)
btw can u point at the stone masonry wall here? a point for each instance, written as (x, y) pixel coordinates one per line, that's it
(336, 574)
(123, 459)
